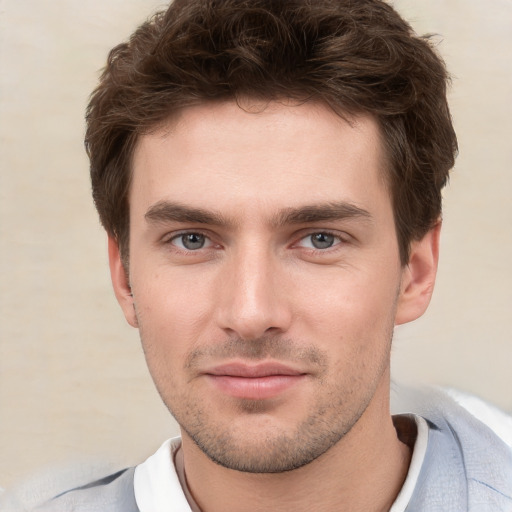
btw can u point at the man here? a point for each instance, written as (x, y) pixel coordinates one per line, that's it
(269, 175)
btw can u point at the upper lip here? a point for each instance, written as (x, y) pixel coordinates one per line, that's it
(240, 369)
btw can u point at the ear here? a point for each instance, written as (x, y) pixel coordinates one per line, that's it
(121, 282)
(418, 277)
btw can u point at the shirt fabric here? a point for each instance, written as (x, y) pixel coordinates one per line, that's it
(458, 465)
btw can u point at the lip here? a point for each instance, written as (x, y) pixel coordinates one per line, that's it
(254, 382)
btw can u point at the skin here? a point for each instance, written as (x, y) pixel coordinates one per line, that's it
(263, 240)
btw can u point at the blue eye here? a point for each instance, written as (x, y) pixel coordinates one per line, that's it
(320, 240)
(191, 241)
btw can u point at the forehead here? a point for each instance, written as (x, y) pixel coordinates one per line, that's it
(274, 152)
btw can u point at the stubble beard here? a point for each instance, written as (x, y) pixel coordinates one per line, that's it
(337, 408)
(279, 451)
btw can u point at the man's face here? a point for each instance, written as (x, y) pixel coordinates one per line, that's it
(265, 275)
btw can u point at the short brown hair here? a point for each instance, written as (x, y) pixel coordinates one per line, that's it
(355, 56)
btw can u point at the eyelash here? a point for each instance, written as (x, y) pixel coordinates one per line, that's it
(177, 236)
(340, 239)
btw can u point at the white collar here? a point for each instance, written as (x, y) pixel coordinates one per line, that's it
(418, 456)
(158, 489)
(156, 484)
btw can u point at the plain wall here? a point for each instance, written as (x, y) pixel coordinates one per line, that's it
(73, 382)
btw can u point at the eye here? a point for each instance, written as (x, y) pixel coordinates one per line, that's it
(191, 241)
(320, 241)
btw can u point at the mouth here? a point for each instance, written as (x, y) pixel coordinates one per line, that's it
(254, 381)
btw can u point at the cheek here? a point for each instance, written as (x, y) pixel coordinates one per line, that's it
(352, 321)
(173, 312)
(347, 301)
(170, 294)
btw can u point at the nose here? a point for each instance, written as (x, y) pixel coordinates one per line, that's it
(252, 295)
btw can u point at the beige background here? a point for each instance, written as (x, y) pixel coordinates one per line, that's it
(73, 382)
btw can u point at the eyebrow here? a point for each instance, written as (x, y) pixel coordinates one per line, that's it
(322, 212)
(167, 211)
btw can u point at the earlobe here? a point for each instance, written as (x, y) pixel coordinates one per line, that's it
(120, 282)
(418, 277)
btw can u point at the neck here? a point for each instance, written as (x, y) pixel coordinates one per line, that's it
(364, 471)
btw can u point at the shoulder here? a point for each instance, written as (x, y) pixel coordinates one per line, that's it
(112, 493)
(467, 465)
